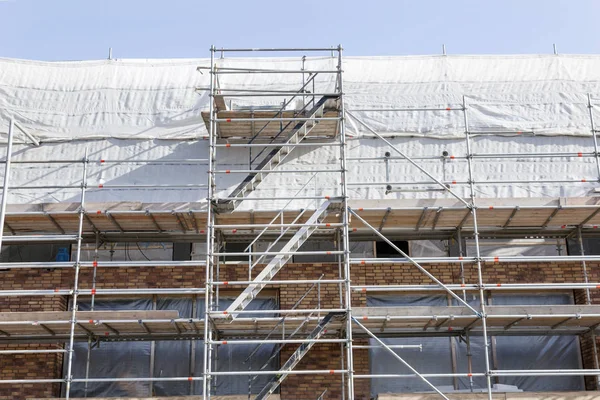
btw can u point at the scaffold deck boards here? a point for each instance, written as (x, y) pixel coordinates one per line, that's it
(405, 321)
(495, 216)
(214, 397)
(495, 396)
(247, 129)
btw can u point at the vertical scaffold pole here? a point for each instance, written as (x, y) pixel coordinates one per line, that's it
(462, 253)
(345, 243)
(89, 349)
(588, 301)
(594, 135)
(473, 208)
(341, 274)
(11, 128)
(207, 356)
(69, 377)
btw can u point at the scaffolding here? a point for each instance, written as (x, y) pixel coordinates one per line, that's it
(310, 117)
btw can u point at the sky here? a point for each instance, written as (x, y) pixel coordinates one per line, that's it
(85, 29)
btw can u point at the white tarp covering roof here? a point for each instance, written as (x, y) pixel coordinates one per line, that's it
(145, 101)
(155, 99)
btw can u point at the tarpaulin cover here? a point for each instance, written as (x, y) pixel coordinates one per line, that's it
(539, 352)
(148, 99)
(126, 360)
(124, 108)
(366, 178)
(512, 352)
(172, 358)
(435, 357)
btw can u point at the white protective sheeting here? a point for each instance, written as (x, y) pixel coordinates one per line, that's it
(130, 360)
(366, 178)
(150, 99)
(517, 247)
(130, 106)
(511, 352)
(435, 358)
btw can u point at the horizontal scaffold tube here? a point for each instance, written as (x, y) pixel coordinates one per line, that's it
(137, 379)
(277, 341)
(291, 372)
(279, 253)
(274, 49)
(252, 226)
(458, 260)
(474, 287)
(100, 292)
(102, 264)
(458, 375)
(545, 372)
(284, 282)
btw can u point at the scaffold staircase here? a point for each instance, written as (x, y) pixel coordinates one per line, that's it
(278, 154)
(278, 261)
(297, 356)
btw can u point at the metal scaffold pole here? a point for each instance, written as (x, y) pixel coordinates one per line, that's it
(594, 133)
(74, 306)
(588, 301)
(5, 187)
(210, 235)
(345, 233)
(482, 297)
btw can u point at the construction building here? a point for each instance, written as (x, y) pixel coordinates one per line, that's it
(295, 224)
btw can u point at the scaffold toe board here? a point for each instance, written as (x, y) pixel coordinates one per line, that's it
(214, 397)
(495, 396)
(501, 320)
(406, 321)
(409, 218)
(57, 324)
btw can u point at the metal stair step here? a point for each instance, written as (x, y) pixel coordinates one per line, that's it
(277, 155)
(278, 262)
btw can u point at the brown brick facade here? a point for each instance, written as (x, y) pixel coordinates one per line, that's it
(322, 356)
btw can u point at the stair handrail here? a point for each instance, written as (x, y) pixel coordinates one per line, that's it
(296, 113)
(273, 243)
(249, 247)
(282, 108)
(282, 320)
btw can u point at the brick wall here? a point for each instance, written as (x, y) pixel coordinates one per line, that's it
(31, 366)
(322, 356)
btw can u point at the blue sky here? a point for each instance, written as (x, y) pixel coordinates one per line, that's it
(85, 29)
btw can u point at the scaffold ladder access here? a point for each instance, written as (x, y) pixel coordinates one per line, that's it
(278, 261)
(278, 154)
(297, 356)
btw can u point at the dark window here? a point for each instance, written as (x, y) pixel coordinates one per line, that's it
(36, 253)
(384, 250)
(234, 247)
(591, 246)
(182, 251)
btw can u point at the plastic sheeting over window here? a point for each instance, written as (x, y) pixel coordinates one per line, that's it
(428, 248)
(539, 352)
(517, 247)
(172, 358)
(233, 357)
(127, 251)
(435, 357)
(511, 352)
(126, 360)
